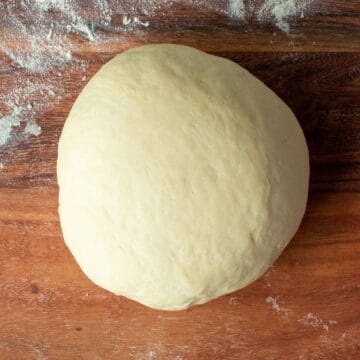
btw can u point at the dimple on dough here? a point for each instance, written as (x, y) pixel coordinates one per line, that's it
(182, 177)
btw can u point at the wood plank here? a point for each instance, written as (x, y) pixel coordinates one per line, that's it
(306, 306)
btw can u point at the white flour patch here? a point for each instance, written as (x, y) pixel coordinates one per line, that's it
(33, 45)
(27, 98)
(280, 12)
(277, 12)
(273, 300)
(314, 321)
(71, 12)
(236, 9)
(32, 129)
(7, 123)
(10, 122)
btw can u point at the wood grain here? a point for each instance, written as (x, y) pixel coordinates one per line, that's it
(306, 307)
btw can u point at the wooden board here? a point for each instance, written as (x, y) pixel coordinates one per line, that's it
(306, 307)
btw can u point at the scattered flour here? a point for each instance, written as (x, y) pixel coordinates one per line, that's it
(46, 26)
(27, 98)
(32, 45)
(310, 319)
(281, 11)
(276, 306)
(135, 20)
(8, 122)
(71, 10)
(317, 323)
(39, 37)
(157, 350)
(278, 12)
(236, 9)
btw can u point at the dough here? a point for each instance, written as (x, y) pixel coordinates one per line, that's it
(182, 177)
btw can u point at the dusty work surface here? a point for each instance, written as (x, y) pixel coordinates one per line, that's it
(306, 307)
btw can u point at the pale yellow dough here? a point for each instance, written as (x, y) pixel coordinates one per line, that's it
(182, 177)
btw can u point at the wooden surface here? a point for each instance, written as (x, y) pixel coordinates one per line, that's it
(306, 307)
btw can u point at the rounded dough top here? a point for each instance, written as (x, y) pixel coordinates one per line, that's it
(182, 177)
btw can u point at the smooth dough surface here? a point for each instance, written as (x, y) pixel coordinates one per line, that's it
(182, 177)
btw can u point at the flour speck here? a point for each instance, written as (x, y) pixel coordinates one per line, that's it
(152, 355)
(32, 129)
(41, 297)
(281, 310)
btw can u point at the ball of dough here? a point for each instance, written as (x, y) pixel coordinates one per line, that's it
(182, 177)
